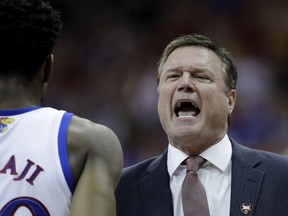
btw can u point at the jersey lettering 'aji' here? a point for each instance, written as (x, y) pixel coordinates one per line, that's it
(11, 165)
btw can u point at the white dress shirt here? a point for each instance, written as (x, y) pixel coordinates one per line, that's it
(215, 176)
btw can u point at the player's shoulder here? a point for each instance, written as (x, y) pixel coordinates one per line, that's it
(83, 125)
(94, 136)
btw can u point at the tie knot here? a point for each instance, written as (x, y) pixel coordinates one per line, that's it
(193, 163)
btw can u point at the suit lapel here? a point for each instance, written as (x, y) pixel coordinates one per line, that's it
(155, 189)
(246, 181)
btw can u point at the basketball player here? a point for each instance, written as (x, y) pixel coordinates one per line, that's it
(51, 162)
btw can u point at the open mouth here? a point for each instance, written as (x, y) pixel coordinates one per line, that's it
(186, 109)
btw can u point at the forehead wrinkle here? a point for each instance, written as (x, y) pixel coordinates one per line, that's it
(189, 69)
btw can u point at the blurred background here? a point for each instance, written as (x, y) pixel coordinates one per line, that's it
(107, 55)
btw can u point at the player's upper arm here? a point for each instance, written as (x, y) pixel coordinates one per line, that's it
(96, 159)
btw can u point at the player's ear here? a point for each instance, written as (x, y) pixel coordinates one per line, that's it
(48, 68)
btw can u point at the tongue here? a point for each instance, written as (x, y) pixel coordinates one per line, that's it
(186, 113)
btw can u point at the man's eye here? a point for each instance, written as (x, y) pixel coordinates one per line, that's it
(202, 77)
(171, 76)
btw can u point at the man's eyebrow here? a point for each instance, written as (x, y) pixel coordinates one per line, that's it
(177, 69)
(194, 69)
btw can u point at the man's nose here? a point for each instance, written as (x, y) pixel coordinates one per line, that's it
(186, 85)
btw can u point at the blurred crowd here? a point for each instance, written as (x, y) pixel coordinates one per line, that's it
(107, 56)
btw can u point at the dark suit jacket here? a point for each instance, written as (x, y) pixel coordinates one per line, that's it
(258, 178)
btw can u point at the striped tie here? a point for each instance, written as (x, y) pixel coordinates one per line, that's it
(193, 193)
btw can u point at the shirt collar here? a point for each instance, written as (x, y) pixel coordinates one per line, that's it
(218, 154)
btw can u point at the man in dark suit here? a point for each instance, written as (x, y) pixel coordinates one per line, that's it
(197, 94)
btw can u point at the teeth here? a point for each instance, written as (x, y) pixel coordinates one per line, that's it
(186, 109)
(186, 114)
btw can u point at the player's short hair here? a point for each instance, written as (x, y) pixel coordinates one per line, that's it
(28, 32)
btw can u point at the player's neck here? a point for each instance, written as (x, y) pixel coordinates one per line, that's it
(15, 94)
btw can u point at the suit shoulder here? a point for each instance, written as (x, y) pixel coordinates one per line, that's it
(251, 153)
(139, 169)
(270, 157)
(259, 158)
(272, 161)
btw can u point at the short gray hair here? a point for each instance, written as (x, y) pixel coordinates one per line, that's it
(202, 41)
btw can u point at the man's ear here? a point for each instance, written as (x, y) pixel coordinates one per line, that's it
(48, 68)
(231, 100)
